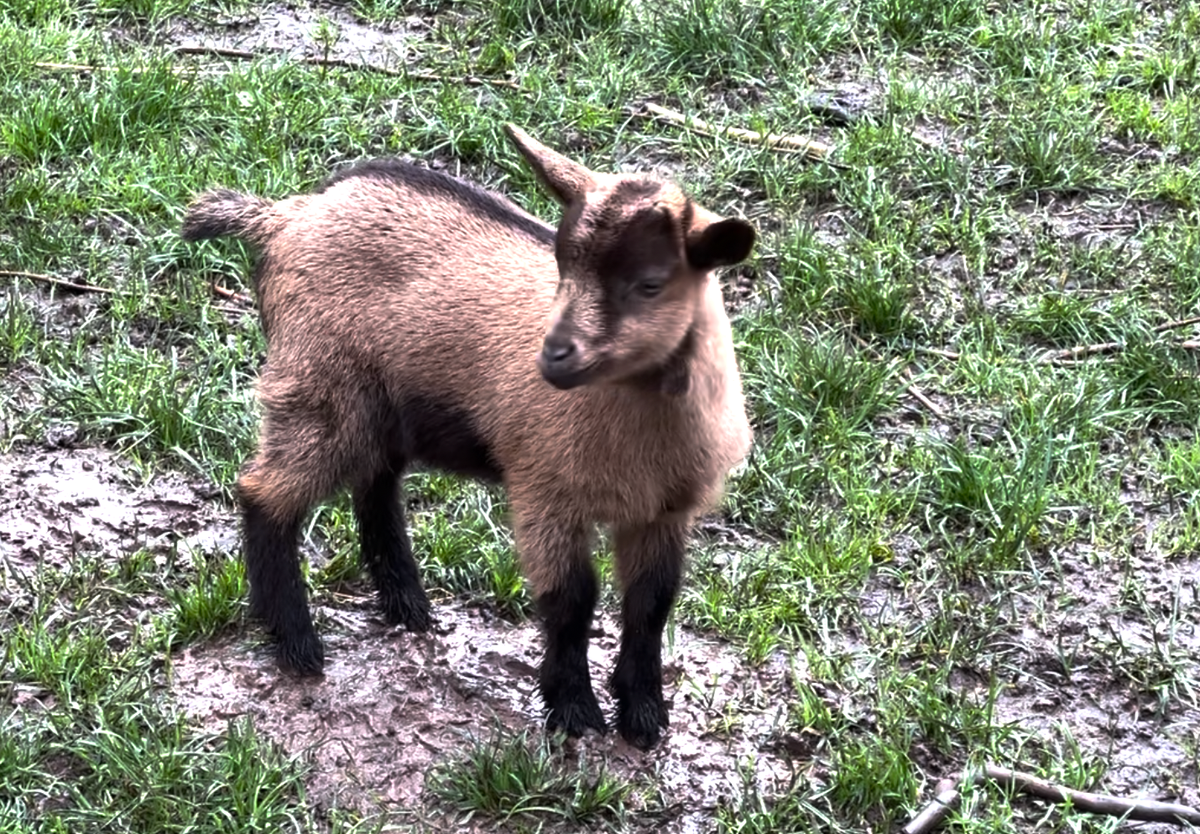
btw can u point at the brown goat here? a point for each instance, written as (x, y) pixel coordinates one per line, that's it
(414, 319)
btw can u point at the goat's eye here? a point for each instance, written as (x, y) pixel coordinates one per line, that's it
(649, 287)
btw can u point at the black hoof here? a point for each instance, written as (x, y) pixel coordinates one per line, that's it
(409, 609)
(576, 715)
(303, 656)
(640, 722)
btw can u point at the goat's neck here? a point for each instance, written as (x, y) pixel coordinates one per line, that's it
(697, 372)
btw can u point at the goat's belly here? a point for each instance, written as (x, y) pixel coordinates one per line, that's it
(439, 436)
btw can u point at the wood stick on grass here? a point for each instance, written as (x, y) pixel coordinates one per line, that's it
(1113, 347)
(50, 65)
(1172, 325)
(58, 282)
(811, 148)
(1145, 810)
(1080, 351)
(945, 354)
(935, 813)
(911, 388)
(920, 396)
(1142, 810)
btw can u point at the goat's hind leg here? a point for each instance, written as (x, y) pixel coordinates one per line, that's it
(387, 553)
(277, 594)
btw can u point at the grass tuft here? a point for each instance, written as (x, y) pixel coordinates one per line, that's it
(516, 777)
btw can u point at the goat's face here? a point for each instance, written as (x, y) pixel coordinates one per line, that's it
(634, 256)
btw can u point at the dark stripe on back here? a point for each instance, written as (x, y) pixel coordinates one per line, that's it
(436, 184)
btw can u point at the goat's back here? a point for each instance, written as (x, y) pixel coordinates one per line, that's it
(399, 280)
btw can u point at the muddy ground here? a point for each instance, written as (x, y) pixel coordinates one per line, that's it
(393, 704)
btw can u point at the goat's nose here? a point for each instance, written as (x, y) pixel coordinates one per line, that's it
(556, 349)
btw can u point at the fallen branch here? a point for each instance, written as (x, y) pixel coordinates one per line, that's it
(1070, 356)
(471, 80)
(218, 52)
(1171, 325)
(1143, 810)
(811, 148)
(920, 396)
(945, 354)
(314, 60)
(935, 813)
(58, 282)
(50, 65)
(1115, 347)
(1080, 351)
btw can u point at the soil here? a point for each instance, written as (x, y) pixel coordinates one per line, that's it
(56, 504)
(295, 30)
(393, 704)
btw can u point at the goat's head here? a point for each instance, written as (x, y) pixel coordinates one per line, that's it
(634, 256)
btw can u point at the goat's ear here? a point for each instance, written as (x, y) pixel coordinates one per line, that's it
(713, 242)
(564, 179)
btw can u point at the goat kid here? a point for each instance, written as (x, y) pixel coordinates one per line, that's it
(413, 319)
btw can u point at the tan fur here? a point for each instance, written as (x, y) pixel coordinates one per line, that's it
(372, 291)
(608, 452)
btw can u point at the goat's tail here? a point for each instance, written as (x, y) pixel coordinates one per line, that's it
(222, 212)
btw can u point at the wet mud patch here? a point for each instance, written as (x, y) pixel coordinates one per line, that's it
(1114, 659)
(60, 503)
(327, 32)
(392, 705)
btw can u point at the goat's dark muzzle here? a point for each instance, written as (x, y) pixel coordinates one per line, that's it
(559, 361)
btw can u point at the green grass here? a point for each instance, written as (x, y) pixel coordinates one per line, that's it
(1023, 180)
(97, 745)
(519, 778)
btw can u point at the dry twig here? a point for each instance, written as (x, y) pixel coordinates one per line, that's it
(920, 396)
(1171, 325)
(231, 295)
(1081, 351)
(314, 60)
(58, 282)
(911, 388)
(811, 148)
(1144, 810)
(945, 354)
(935, 813)
(51, 65)
(341, 63)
